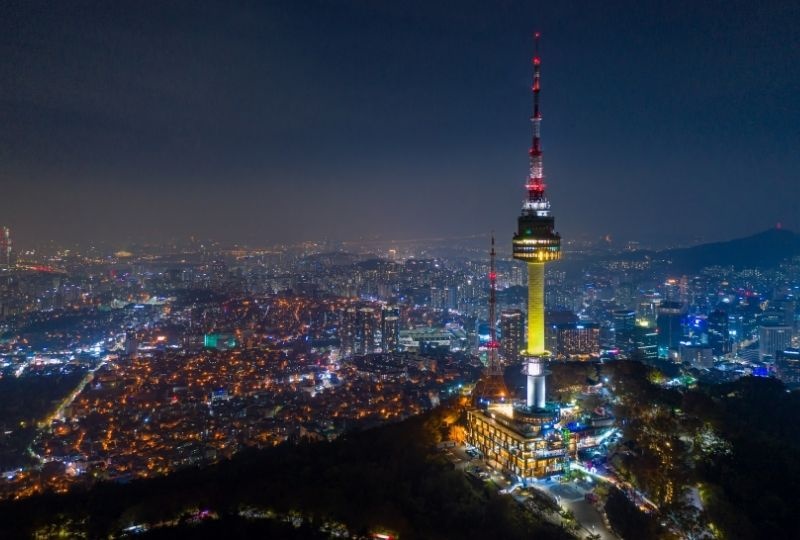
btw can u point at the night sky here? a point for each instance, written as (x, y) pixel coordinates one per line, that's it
(267, 121)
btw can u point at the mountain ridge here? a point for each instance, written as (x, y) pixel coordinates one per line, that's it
(765, 249)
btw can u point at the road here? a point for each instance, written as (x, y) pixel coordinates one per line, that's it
(645, 504)
(570, 496)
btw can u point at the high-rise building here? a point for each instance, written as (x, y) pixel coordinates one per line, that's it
(578, 341)
(624, 326)
(749, 319)
(787, 367)
(390, 329)
(5, 248)
(676, 290)
(390, 334)
(718, 337)
(645, 340)
(516, 275)
(699, 356)
(648, 306)
(554, 319)
(773, 338)
(735, 328)
(450, 297)
(437, 297)
(511, 334)
(695, 330)
(787, 306)
(131, 343)
(670, 327)
(347, 330)
(771, 316)
(365, 330)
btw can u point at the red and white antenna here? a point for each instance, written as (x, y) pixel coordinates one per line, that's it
(536, 201)
(493, 345)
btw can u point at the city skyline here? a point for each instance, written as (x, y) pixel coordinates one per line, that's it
(339, 120)
(248, 287)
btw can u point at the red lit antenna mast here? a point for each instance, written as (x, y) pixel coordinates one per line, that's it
(535, 184)
(494, 360)
(491, 388)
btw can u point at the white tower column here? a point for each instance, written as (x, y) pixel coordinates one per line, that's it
(534, 371)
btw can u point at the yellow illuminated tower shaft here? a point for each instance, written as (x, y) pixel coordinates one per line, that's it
(535, 329)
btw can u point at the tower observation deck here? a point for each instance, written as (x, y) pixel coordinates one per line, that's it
(536, 242)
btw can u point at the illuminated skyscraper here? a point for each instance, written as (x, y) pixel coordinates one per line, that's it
(578, 341)
(365, 331)
(512, 334)
(718, 337)
(773, 338)
(5, 248)
(645, 337)
(624, 326)
(670, 327)
(390, 329)
(347, 331)
(788, 307)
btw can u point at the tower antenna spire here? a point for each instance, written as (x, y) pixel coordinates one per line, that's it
(535, 184)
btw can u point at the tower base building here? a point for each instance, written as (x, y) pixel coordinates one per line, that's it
(527, 443)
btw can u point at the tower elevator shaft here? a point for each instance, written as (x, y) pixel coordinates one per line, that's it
(535, 330)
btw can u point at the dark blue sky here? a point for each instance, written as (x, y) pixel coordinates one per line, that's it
(264, 121)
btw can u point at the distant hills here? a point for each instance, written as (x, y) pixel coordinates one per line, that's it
(763, 250)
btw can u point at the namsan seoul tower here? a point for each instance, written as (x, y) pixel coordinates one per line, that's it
(536, 243)
(526, 439)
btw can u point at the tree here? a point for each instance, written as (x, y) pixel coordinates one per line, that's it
(688, 520)
(458, 434)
